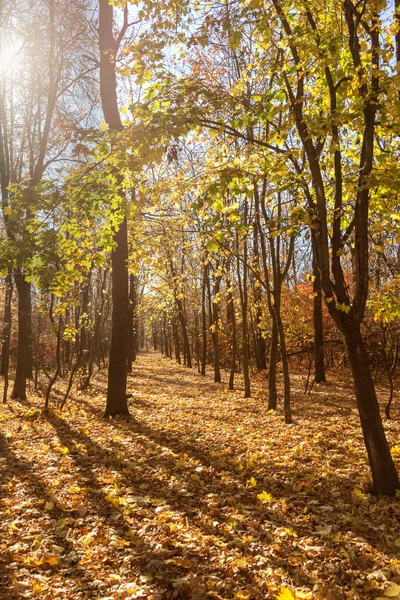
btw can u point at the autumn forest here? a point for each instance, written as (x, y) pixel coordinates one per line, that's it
(200, 299)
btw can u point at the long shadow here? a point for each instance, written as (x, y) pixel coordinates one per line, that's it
(233, 485)
(211, 459)
(194, 507)
(18, 468)
(149, 555)
(191, 503)
(184, 383)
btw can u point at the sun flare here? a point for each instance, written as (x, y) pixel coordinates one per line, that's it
(11, 58)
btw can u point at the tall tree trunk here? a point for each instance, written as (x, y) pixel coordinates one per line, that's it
(273, 359)
(203, 322)
(319, 375)
(384, 474)
(186, 343)
(197, 340)
(176, 341)
(117, 367)
(244, 304)
(24, 349)
(259, 342)
(5, 348)
(84, 330)
(57, 331)
(162, 338)
(215, 329)
(132, 325)
(285, 366)
(232, 321)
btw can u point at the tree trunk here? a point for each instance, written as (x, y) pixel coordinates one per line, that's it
(215, 329)
(204, 322)
(197, 340)
(285, 366)
(319, 375)
(186, 343)
(232, 320)
(84, 331)
(24, 349)
(132, 325)
(117, 367)
(259, 342)
(5, 350)
(176, 341)
(58, 355)
(244, 305)
(273, 358)
(384, 475)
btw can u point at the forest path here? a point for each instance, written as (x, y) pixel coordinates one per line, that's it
(200, 494)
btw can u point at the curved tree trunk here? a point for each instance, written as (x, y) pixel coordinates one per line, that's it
(384, 474)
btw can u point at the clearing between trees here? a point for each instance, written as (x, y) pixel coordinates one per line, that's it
(199, 494)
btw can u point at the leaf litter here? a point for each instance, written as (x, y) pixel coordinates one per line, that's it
(200, 494)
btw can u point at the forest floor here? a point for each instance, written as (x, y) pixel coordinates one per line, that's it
(200, 494)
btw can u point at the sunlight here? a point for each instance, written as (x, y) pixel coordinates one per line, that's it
(11, 58)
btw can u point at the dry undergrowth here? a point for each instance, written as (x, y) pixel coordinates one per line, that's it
(201, 494)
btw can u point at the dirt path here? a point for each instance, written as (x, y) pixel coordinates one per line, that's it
(201, 494)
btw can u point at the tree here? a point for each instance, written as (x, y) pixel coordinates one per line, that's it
(118, 360)
(362, 28)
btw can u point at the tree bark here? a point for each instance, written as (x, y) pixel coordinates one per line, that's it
(384, 475)
(319, 362)
(117, 367)
(273, 358)
(215, 328)
(132, 322)
(5, 350)
(203, 322)
(24, 350)
(232, 321)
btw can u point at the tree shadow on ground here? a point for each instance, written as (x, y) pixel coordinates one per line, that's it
(12, 564)
(209, 501)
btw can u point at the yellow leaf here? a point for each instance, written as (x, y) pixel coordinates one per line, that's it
(264, 497)
(392, 591)
(252, 482)
(285, 594)
(359, 496)
(49, 506)
(290, 532)
(243, 595)
(395, 450)
(53, 560)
